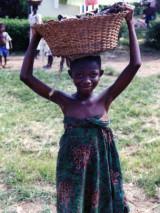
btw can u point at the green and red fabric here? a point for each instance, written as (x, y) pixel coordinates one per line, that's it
(89, 178)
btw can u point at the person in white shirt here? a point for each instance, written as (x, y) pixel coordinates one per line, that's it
(5, 45)
(34, 18)
(45, 51)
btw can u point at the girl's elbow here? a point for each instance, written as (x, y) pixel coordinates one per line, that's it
(23, 78)
(138, 65)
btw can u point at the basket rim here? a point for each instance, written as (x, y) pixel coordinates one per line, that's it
(86, 18)
(69, 25)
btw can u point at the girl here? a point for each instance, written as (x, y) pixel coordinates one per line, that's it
(89, 178)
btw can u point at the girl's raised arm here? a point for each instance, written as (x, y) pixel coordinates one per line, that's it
(35, 84)
(134, 64)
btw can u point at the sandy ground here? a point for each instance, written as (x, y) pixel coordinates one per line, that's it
(116, 59)
(119, 59)
(137, 200)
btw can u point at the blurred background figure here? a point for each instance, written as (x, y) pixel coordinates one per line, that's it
(149, 13)
(45, 51)
(63, 59)
(5, 45)
(34, 18)
(140, 23)
(88, 3)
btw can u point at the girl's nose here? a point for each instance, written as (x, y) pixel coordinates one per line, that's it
(87, 81)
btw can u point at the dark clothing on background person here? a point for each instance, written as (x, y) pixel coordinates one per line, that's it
(150, 14)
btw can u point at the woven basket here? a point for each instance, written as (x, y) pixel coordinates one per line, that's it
(85, 36)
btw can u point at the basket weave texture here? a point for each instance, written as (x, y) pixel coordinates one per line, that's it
(85, 36)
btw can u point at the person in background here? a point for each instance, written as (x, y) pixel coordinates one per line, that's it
(149, 14)
(5, 45)
(34, 18)
(90, 2)
(63, 59)
(50, 58)
(45, 51)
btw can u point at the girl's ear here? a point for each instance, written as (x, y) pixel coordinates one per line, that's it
(70, 73)
(101, 72)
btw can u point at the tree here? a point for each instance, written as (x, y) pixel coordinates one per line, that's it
(158, 5)
(14, 8)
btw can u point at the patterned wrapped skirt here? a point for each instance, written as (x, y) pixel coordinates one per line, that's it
(89, 178)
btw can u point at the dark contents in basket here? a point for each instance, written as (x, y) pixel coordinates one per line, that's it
(115, 8)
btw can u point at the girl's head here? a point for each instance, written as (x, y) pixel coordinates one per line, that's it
(34, 9)
(86, 73)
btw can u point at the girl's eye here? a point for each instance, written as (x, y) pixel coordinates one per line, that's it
(79, 75)
(93, 75)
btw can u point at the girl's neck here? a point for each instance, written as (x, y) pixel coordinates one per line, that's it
(82, 97)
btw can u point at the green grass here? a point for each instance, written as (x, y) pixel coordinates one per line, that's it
(30, 128)
(24, 193)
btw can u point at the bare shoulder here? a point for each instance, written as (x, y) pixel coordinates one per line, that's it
(61, 98)
(104, 98)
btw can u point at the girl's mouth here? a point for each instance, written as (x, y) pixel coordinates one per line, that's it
(87, 88)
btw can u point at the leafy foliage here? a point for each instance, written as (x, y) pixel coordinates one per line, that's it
(63, 1)
(13, 8)
(18, 29)
(138, 9)
(158, 5)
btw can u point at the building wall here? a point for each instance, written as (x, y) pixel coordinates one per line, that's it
(47, 8)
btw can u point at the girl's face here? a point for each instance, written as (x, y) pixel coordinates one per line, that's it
(86, 77)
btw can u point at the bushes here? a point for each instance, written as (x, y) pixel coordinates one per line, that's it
(14, 8)
(18, 29)
(63, 1)
(153, 35)
(138, 9)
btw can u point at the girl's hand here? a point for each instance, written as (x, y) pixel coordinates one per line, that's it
(130, 13)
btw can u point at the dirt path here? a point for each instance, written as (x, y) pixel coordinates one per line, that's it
(137, 200)
(119, 59)
(116, 59)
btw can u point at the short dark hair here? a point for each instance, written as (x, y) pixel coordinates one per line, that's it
(35, 7)
(96, 59)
